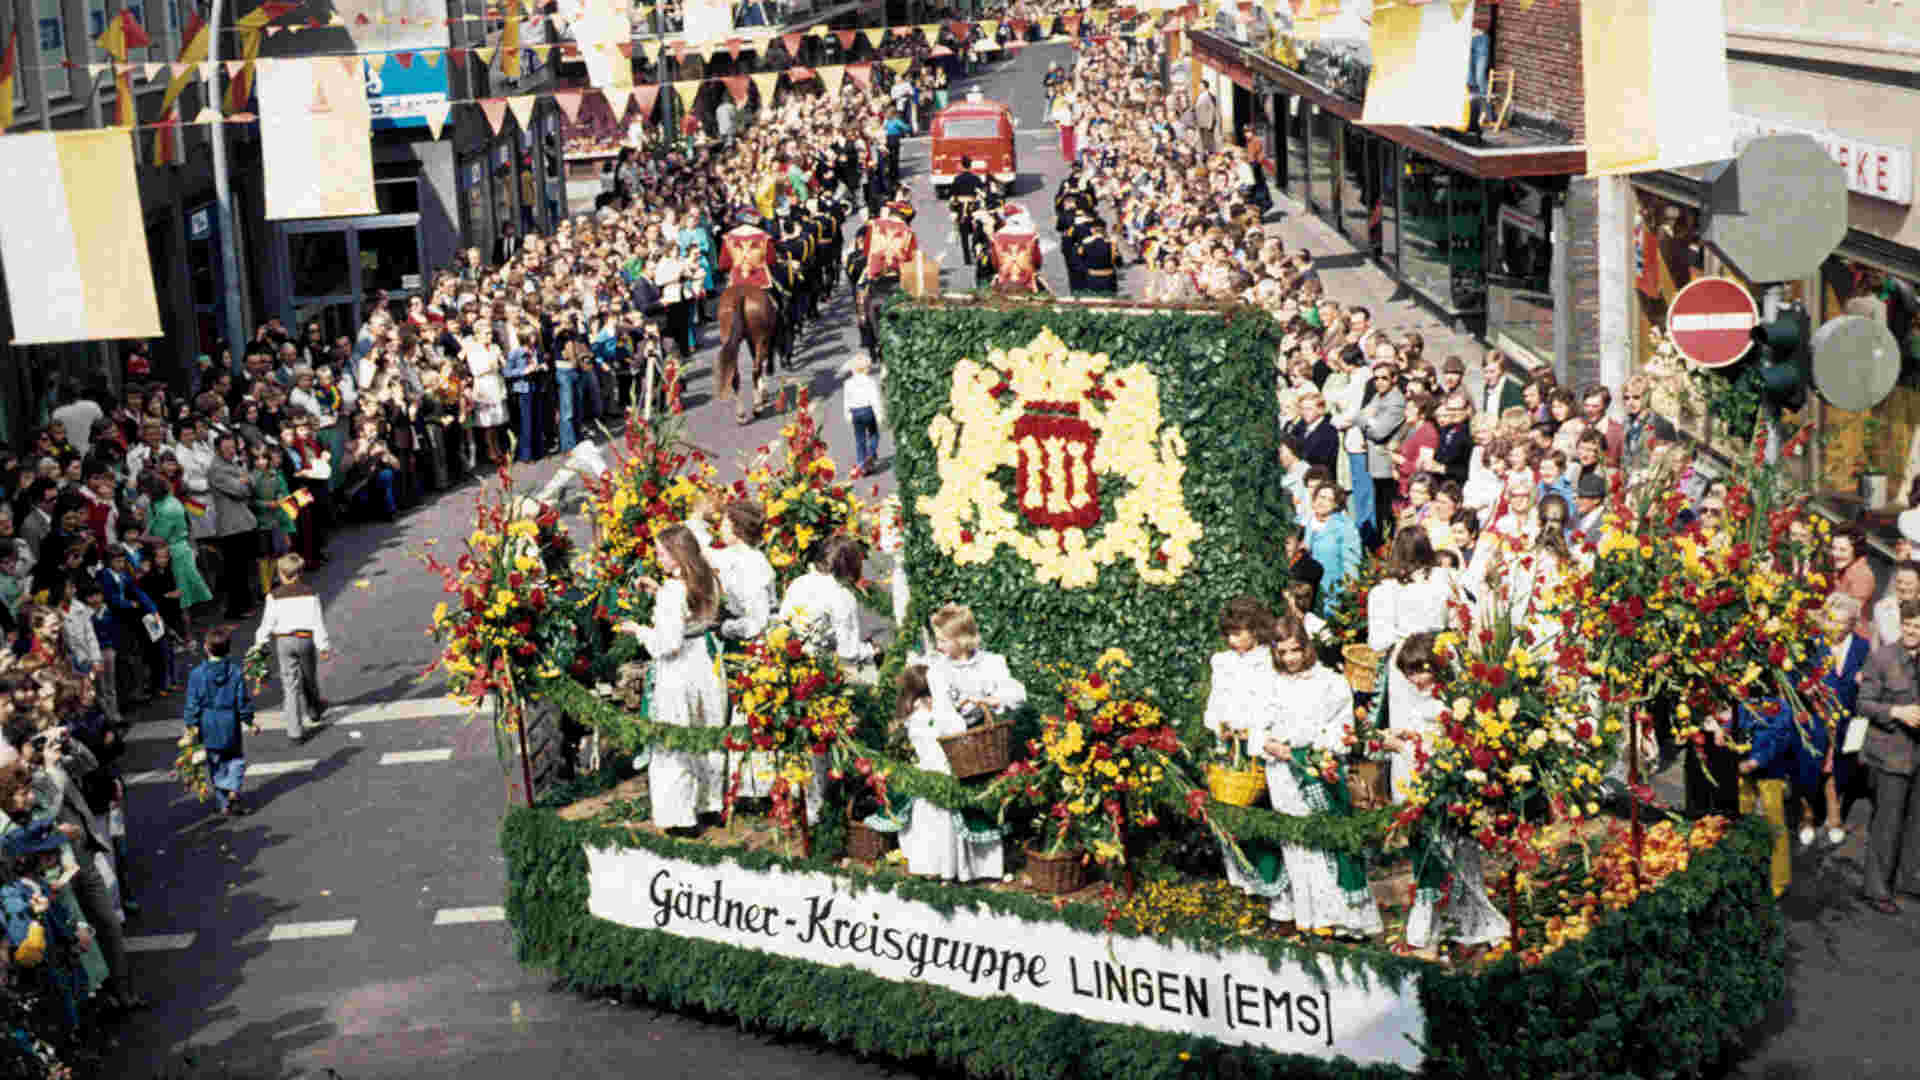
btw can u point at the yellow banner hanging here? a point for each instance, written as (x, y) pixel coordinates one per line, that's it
(688, 90)
(766, 82)
(875, 35)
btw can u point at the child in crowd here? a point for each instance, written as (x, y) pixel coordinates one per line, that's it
(1553, 477)
(218, 705)
(866, 411)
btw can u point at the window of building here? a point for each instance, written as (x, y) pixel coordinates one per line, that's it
(1520, 281)
(1443, 235)
(1885, 441)
(50, 17)
(96, 25)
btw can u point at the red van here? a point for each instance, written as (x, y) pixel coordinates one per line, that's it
(981, 130)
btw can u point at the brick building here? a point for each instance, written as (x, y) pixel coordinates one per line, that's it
(1494, 227)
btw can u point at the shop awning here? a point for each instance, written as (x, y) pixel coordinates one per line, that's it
(1514, 155)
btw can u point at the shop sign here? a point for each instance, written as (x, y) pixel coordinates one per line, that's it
(402, 96)
(1872, 169)
(1233, 995)
(200, 223)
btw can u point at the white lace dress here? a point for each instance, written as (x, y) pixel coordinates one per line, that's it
(937, 841)
(747, 585)
(1468, 915)
(1310, 709)
(686, 692)
(1395, 612)
(1239, 694)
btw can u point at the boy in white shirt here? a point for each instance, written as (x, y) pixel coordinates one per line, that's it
(866, 411)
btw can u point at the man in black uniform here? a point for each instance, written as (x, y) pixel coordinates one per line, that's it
(1073, 244)
(963, 198)
(1099, 268)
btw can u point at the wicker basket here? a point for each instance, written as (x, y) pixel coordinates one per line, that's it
(1368, 785)
(1056, 875)
(981, 751)
(867, 844)
(1236, 787)
(1363, 664)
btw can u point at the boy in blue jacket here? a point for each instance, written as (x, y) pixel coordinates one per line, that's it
(217, 705)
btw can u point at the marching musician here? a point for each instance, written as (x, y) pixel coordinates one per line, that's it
(963, 198)
(886, 245)
(1016, 255)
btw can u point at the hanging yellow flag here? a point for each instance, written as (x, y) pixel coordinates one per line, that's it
(688, 90)
(315, 137)
(930, 31)
(875, 35)
(1419, 65)
(166, 140)
(73, 240)
(1645, 109)
(766, 82)
(9, 70)
(510, 42)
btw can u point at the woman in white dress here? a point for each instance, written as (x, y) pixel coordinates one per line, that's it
(686, 690)
(824, 594)
(1467, 916)
(938, 842)
(483, 356)
(1311, 706)
(747, 597)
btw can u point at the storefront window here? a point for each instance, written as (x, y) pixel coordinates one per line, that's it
(1297, 124)
(1443, 225)
(1520, 282)
(1883, 443)
(390, 259)
(1320, 161)
(1357, 191)
(319, 263)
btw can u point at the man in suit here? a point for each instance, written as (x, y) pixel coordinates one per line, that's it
(1319, 442)
(1890, 703)
(232, 489)
(1595, 400)
(1589, 507)
(1098, 263)
(1380, 422)
(1645, 428)
(1502, 389)
(1206, 117)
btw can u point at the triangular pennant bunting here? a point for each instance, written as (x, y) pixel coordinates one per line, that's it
(831, 77)
(643, 99)
(688, 91)
(766, 82)
(862, 75)
(737, 86)
(791, 42)
(437, 113)
(617, 99)
(569, 102)
(899, 64)
(846, 38)
(876, 35)
(522, 106)
(496, 112)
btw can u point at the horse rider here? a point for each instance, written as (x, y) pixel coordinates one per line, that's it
(1016, 255)
(885, 246)
(963, 198)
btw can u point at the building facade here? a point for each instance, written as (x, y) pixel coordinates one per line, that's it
(1848, 76)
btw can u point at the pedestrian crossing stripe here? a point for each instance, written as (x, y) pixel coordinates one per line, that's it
(456, 916)
(343, 715)
(305, 931)
(416, 757)
(254, 769)
(160, 942)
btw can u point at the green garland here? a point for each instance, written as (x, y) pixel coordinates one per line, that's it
(1355, 834)
(1663, 989)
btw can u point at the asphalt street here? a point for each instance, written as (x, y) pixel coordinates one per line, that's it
(353, 921)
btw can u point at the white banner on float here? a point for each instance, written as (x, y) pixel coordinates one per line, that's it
(1232, 996)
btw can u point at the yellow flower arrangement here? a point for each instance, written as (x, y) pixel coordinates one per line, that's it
(1061, 420)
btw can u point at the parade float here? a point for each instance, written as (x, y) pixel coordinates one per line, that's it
(1096, 484)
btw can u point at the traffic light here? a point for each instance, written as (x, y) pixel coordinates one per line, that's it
(1786, 362)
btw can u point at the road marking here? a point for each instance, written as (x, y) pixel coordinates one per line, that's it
(416, 757)
(454, 916)
(302, 931)
(375, 713)
(254, 769)
(160, 942)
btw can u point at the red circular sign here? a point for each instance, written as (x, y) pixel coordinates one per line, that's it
(1712, 321)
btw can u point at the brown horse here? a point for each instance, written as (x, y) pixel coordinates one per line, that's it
(746, 312)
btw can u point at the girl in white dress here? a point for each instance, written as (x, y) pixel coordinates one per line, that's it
(1413, 598)
(1311, 707)
(686, 689)
(1242, 673)
(938, 842)
(483, 356)
(1468, 916)
(825, 594)
(970, 685)
(747, 599)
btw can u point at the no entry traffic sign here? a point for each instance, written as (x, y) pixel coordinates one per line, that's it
(1712, 321)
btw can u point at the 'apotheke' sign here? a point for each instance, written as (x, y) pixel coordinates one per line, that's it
(1233, 996)
(1873, 169)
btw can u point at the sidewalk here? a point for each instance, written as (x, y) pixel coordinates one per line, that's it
(1350, 278)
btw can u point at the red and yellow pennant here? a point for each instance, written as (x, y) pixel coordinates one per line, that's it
(123, 33)
(251, 27)
(166, 140)
(9, 70)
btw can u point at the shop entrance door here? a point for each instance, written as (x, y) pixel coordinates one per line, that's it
(329, 268)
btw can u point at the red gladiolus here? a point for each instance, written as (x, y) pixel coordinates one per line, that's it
(537, 599)
(794, 649)
(1482, 758)
(1197, 805)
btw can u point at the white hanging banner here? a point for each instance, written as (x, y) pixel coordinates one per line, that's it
(315, 137)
